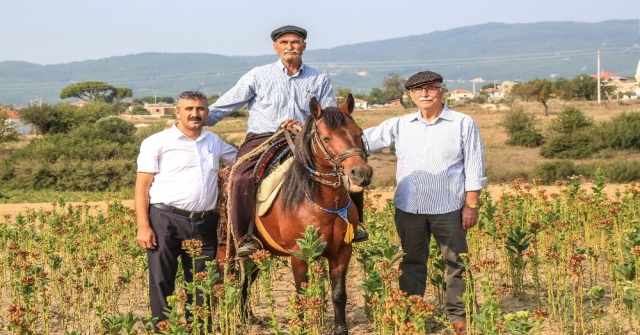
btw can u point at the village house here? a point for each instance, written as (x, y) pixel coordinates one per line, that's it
(607, 76)
(361, 104)
(159, 109)
(459, 94)
(79, 103)
(18, 125)
(494, 94)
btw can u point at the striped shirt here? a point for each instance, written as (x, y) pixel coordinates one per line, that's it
(274, 97)
(438, 161)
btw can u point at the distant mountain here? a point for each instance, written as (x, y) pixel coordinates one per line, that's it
(492, 51)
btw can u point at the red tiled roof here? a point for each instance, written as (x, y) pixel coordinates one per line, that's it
(12, 114)
(459, 91)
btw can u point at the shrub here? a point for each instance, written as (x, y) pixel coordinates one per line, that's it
(621, 131)
(569, 120)
(580, 144)
(558, 170)
(526, 138)
(521, 128)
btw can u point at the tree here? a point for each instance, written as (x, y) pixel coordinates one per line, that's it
(96, 91)
(7, 129)
(394, 87)
(539, 90)
(377, 96)
(586, 87)
(121, 93)
(341, 94)
(48, 119)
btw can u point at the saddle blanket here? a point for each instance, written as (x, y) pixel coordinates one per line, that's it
(270, 186)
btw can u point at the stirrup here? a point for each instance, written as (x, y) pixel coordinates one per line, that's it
(360, 236)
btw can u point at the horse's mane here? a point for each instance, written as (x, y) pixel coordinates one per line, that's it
(298, 180)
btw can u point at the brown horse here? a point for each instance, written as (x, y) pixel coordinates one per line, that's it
(330, 159)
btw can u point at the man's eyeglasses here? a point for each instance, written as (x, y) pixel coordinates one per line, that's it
(428, 89)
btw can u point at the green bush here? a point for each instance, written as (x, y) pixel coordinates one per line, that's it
(622, 131)
(570, 120)
(73, 175)
(576, 145)
(521, 128)
(558, 170)
(526, 138)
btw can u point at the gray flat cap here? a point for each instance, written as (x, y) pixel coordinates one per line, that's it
(288, 29)
(422, 78)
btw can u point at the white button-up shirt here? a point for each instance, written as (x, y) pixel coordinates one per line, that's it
(438, 161)
(186, 170)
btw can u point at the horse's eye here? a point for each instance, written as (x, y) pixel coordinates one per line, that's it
(326, 139)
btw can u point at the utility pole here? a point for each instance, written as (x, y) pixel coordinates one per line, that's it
(598, 76)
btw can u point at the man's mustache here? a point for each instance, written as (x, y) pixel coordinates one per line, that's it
(194, 118)
(294, 51)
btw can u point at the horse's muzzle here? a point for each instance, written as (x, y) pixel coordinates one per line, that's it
(360, 175)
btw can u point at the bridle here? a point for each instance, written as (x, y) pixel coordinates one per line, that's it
(336, 162)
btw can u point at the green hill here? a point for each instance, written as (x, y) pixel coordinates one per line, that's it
(493, 51)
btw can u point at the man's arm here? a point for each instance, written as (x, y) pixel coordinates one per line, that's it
(470, 209)
(238, 96)
(474, 170)
(146, 237)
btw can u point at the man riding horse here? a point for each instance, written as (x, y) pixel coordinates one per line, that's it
(277, 94)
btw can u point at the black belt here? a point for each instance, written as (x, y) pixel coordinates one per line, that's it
(175, 210)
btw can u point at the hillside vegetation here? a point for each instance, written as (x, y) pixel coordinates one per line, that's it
(493, 51)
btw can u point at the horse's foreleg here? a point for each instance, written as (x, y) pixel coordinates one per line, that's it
(299, 269)
(338, 273)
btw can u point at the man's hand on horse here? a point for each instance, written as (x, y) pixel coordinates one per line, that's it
(291, 125)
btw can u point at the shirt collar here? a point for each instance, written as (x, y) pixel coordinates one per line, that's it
(283, 68)
(446, 114)
(177, 133)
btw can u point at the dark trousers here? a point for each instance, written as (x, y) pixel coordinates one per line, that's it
(243, 187)
(171, 229)
(415, 231)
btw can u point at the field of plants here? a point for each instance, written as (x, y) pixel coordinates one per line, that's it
(539, 263)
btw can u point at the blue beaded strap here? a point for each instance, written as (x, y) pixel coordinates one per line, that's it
(342, 212)
(316, 173)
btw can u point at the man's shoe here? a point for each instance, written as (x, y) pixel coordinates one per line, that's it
(360, 236)
(460, 327)
(247, 248)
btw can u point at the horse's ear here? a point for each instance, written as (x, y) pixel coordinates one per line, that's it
(315, 109)
(348, 105)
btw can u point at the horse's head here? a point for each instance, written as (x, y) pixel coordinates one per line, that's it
(337, 143)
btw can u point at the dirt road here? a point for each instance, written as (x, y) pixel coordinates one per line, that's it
(494, 190)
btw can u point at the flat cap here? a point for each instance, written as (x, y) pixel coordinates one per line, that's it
(422, 78)
(288, 29)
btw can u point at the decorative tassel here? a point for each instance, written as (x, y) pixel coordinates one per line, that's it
(348, 236)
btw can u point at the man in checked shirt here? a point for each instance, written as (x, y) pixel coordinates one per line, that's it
(440, 173)
(277, 94)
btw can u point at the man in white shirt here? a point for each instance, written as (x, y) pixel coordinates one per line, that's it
(440, 174)
(176, 192)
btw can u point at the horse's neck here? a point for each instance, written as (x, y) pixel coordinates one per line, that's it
(332, 197)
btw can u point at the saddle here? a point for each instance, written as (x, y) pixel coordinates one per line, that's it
(268, 174)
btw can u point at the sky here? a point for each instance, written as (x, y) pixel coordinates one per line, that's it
(64, 31)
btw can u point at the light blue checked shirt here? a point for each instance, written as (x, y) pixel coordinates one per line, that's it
(438, 161)
(274, 97)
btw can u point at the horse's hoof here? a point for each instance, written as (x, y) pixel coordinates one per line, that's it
(341, 330)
